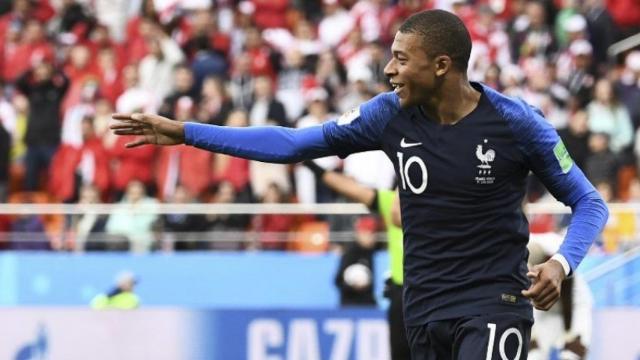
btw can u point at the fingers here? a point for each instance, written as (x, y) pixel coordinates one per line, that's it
(133, 117)
(128, 131)
(136, 143)
(546, 302)
(543, 293)
(121, 116)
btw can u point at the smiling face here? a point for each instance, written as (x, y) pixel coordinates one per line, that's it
(412, 72)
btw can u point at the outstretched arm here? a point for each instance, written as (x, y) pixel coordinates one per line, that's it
(263, 143)
(358, 130)
(344, 185)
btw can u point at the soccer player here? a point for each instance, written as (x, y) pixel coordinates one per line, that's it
(462, 152)
(386, 203)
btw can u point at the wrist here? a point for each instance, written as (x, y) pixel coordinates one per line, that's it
(560, 259)
(181, 132)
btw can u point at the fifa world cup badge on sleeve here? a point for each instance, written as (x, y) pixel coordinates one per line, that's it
(563, 157)
(349, 116)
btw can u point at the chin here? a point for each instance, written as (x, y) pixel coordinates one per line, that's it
(405, 102)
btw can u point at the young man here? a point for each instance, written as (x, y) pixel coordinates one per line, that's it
(386, 203)
(462, 153)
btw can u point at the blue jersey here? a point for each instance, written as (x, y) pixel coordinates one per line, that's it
(461, 190)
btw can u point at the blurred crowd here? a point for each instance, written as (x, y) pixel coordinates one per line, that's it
(66, 66)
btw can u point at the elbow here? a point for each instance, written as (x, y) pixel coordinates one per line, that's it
(594, 204)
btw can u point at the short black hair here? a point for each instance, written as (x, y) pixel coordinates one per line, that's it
(443, 33)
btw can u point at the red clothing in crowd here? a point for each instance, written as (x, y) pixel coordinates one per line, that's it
(261, 62)
(270, 13)
(626, 13)
(131, 164)
(77, 79)
(183, 165)
(18, 58)
(273, 230)
(232, 169)
(136, 44)
(67, 162)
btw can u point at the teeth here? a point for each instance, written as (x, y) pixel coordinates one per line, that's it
(396, 87)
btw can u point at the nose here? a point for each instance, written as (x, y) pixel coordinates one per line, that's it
(390, 68)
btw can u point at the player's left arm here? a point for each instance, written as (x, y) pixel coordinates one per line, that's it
(549, 160)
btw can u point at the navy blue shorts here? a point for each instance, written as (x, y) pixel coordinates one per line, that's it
(488, 337)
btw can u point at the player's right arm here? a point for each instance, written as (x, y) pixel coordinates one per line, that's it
(359, 130)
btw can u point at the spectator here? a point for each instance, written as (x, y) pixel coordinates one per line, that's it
(226, 230)
(607, 115)
(135, 98)
(290, 84)
(45, 89)
(27, 46)
(270, 13)
(330, 74)
(156, 68)
(358, 90)
(602, 164)
(183, 165)
(354, 278)
(121, 297)
(242, 82)
(86, 230)
(602, 29)
(576, 137)
(183, 87)
(204, 26)
(73, 117)
(628, 86)
(75, 165)
(183, 232)
(335, 24)
(80, 70)
(575, 71)
(535, 39)
(266, 109)
(132, 219)
(309, 191)
(206, 61)
(263, 59)
(111, 86)
(215, 103)
(233, 169)
(272, 230)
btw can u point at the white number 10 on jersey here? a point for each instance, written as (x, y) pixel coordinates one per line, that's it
(403, 169)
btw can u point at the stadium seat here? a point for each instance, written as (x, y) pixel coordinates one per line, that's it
(311, 237)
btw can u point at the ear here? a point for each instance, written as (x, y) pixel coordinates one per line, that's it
(443, 64)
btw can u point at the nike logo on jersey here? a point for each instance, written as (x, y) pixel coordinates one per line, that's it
(404, 144)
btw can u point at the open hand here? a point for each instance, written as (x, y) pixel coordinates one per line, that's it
(546, 279)
(149, 129)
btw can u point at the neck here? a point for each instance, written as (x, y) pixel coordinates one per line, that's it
(454, 100)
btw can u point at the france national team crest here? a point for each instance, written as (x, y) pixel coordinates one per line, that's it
(486, 157)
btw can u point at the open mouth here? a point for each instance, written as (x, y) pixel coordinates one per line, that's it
(397, 87)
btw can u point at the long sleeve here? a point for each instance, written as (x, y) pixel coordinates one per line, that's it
(550, 161)
(263, 143)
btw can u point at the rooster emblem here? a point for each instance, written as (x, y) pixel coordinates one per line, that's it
(485, 157)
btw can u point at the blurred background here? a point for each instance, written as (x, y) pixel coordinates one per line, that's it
(224, 258)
